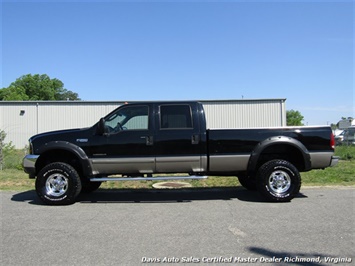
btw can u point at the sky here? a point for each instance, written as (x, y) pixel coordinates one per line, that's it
(188, 50)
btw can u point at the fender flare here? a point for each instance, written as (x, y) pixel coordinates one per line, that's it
(276, 140)
(72, 148)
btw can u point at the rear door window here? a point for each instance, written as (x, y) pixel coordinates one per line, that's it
(175, 117)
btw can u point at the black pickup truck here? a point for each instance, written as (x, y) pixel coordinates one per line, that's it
(138, 140)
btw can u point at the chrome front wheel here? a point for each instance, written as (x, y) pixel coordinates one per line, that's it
(56, 185)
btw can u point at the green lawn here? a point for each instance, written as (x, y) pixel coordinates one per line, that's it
(341, 175)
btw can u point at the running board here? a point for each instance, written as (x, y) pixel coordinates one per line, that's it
(160, 178)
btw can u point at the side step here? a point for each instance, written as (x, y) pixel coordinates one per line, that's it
(103, 179)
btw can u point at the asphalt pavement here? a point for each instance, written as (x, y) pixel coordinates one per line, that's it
(227, 226)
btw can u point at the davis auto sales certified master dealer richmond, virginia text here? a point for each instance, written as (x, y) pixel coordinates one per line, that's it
(232, 259)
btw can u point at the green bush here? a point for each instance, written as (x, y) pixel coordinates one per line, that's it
(345, 152)
(12, 158)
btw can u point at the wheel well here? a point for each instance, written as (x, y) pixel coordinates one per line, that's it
(59, 155)
(282, 151)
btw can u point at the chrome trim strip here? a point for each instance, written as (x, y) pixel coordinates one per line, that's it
(103, 179)
(178, 159)
(122, 160)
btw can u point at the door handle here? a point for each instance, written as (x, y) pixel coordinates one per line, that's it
(195, 139)
(149, 140)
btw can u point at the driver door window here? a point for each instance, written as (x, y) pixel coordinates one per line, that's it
(128, 118)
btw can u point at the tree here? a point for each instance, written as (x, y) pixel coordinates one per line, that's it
(35, 88)
(294, 118)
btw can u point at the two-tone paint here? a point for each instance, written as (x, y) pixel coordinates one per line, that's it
(194, 150)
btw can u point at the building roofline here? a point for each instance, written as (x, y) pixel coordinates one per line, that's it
(129, 101)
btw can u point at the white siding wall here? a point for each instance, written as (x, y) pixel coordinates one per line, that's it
(245, 113)
(18, 127)
(48, 116)
(41, 117)
(65, 116)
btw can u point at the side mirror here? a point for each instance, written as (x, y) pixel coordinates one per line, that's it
(101, 127)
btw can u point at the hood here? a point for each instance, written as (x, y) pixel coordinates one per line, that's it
(69, 135)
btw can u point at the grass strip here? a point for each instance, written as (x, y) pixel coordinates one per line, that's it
(342, 174)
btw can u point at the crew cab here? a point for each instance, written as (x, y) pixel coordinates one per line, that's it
(138, 140)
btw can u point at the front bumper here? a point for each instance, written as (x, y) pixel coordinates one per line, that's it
(334, 161)
(29, 164)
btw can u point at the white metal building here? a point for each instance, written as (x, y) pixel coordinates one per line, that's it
(22, 119)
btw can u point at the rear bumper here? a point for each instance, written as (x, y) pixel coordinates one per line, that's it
(321, 160)
(29, 164)
(334, 161)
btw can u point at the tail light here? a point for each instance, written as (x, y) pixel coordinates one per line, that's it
(332, 141)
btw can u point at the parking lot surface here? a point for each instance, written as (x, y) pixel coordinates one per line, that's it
(225, 226)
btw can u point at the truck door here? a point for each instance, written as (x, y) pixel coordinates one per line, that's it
(177, 143)
(128, 144)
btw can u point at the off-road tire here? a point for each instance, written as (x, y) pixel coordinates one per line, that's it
(58, 184)
(278, 181)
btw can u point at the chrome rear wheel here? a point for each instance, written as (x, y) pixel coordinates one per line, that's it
(278, 180)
